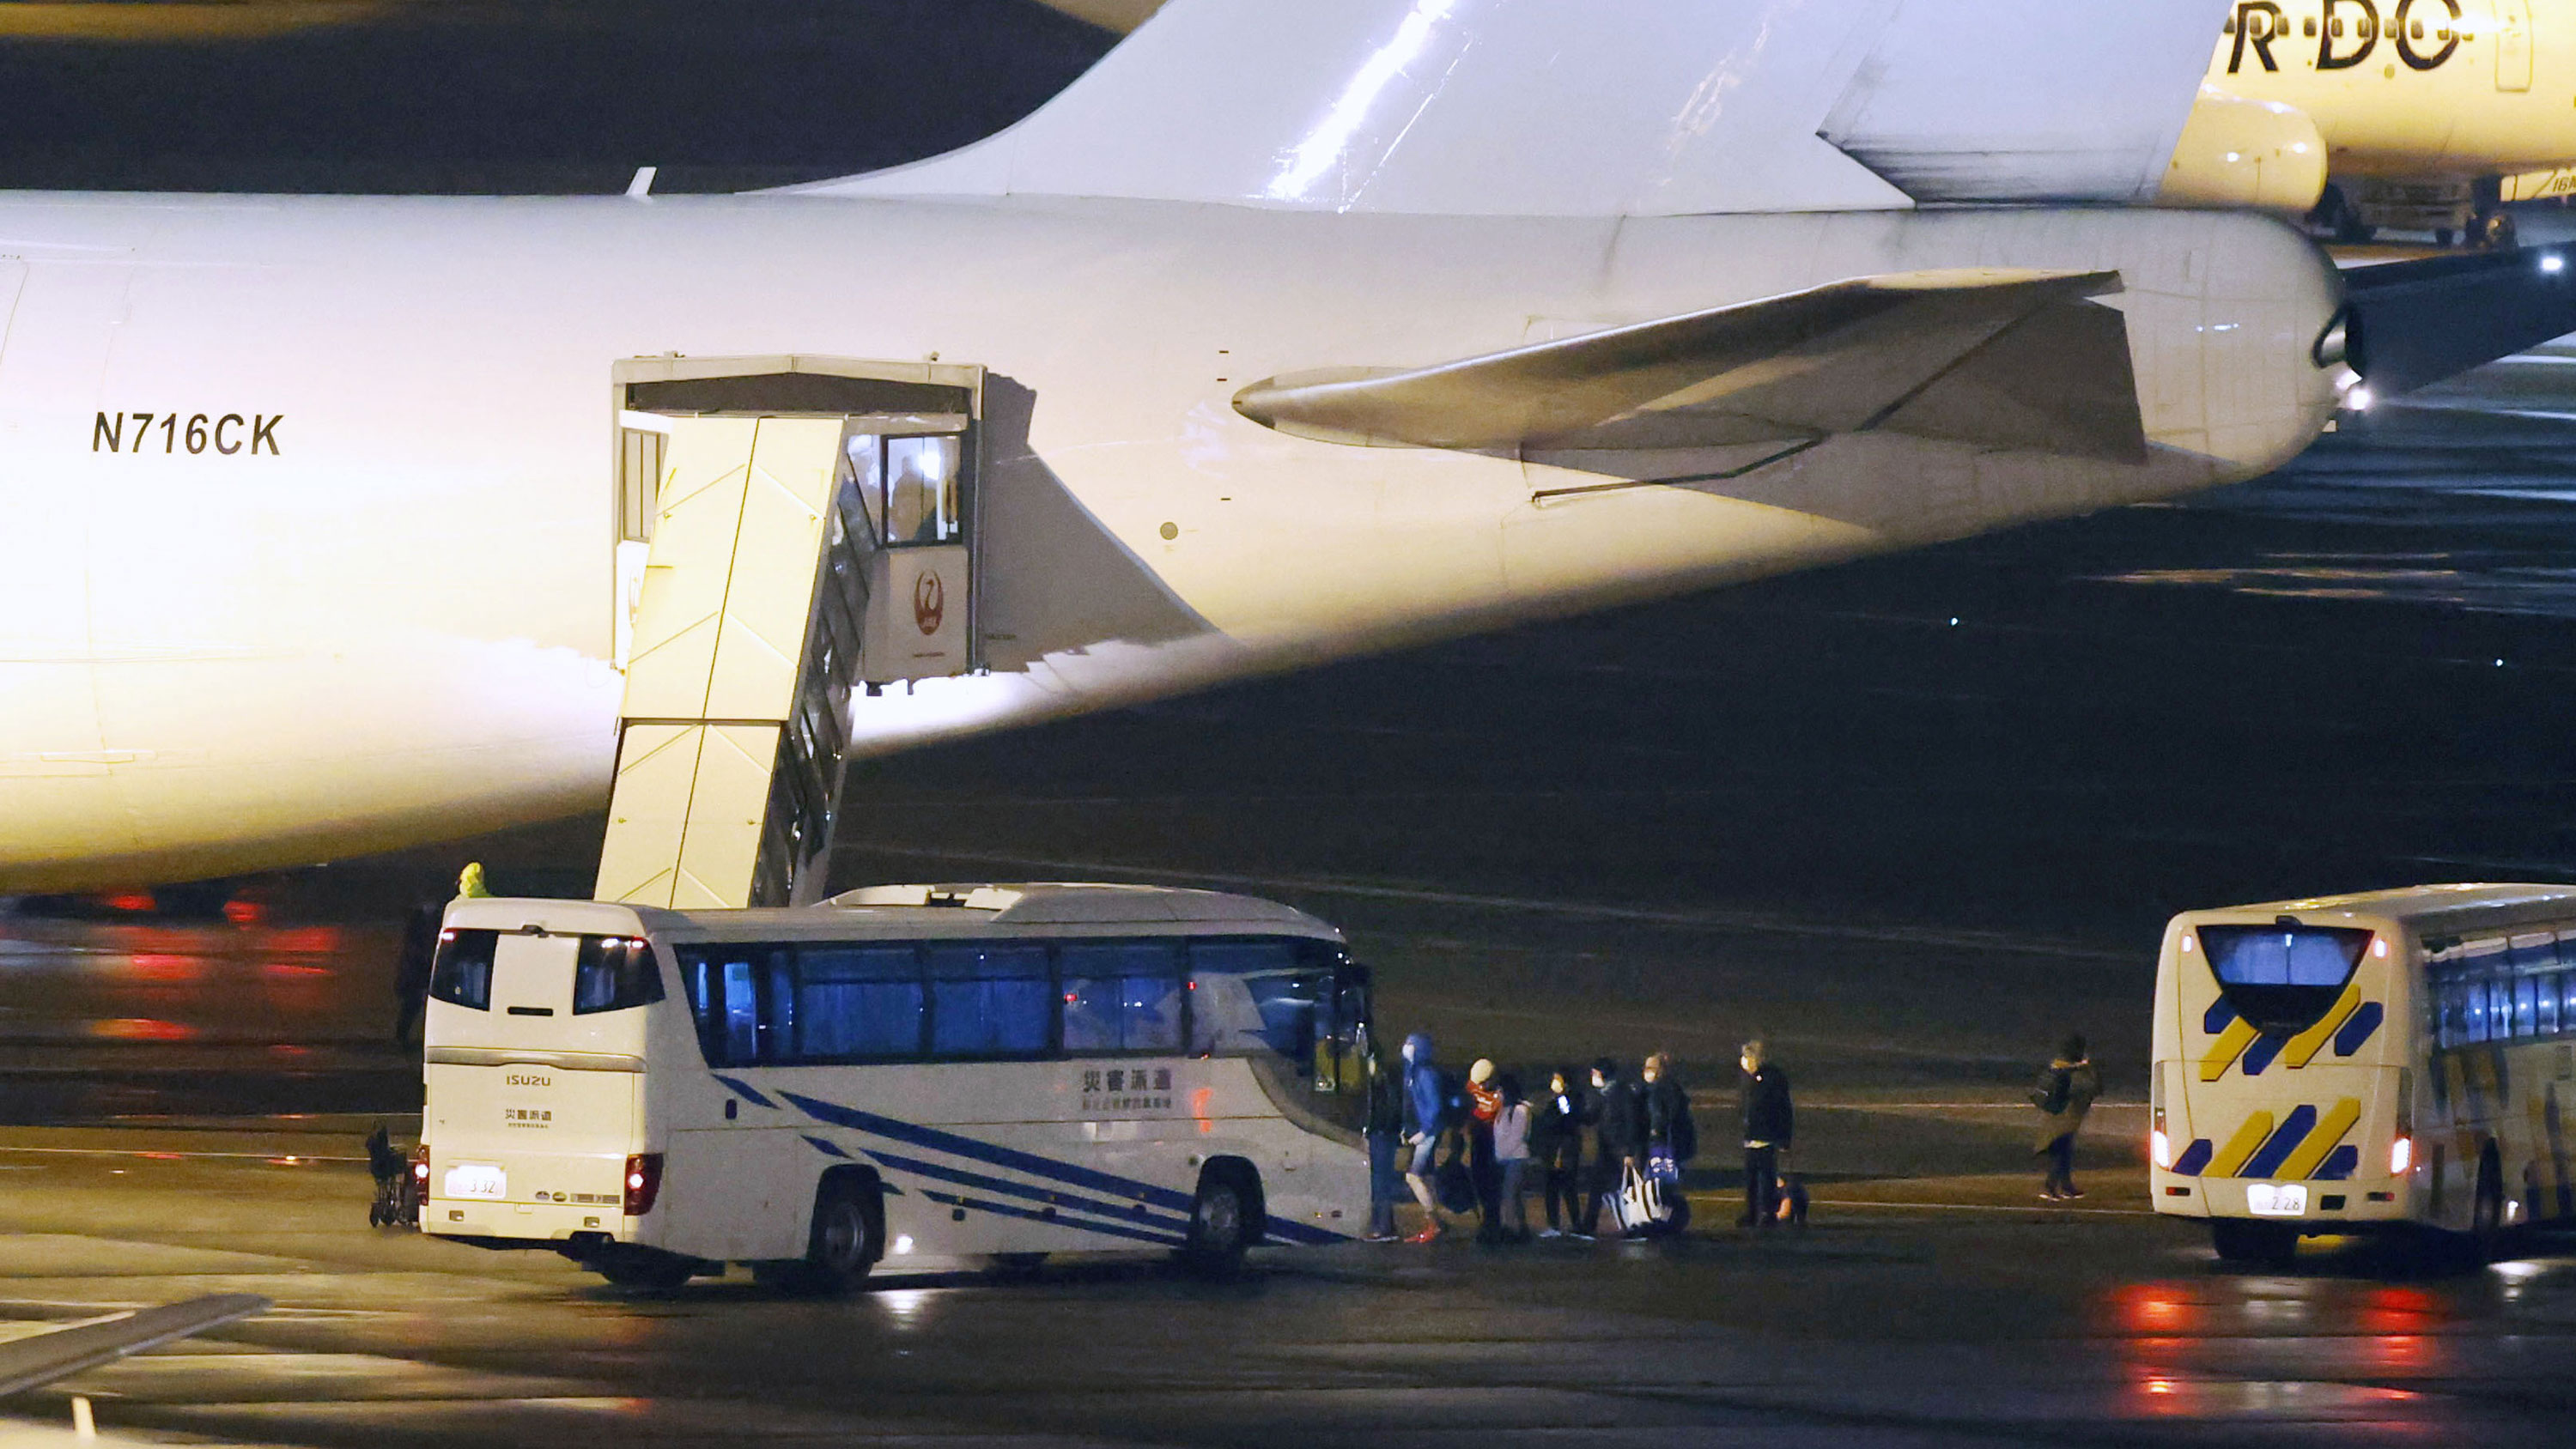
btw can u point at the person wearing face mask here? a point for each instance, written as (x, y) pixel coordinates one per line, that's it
(1556, 1145)
(1768, 1123)
(1671, 1140)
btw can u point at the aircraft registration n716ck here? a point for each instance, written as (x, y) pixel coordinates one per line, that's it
(1287, 332)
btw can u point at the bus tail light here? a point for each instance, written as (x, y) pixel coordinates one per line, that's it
(420, 1168)
(643, 1182)
(2401, 1156)
(2161, 1146)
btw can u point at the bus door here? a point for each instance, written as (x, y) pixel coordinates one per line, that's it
(534, 1069)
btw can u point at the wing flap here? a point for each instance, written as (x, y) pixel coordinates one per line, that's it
(2012, 359)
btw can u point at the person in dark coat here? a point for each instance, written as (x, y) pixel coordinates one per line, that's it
(412, 969)
(2065, 1092)
(1618, 1139)
(1556, 1141)
(1385, 1124)
(1769, 1123)
(1671, 1138)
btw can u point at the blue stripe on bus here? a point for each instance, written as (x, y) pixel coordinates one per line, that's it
(1010, 1157)
(2215, 1020)
(2285, 1139)
(824, 1146)
(743, 1090)
(1031, 1191)
(1296, 1232)
(1036, 1166)
(2194, 1158)
(2260, 1054)
(2340, 1164)
(1114, 1230)
(2358, 1030)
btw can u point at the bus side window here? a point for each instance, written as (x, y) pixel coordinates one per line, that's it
(992, 999)
(725, 1000)
(1121, 996)
(461, 973)
(2548, 988)
(855, 1002)
(611, 973)
(1254, 995)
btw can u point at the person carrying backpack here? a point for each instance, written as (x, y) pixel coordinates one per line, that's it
(2065, 1092)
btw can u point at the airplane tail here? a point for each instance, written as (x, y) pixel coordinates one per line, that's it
(1605, 107)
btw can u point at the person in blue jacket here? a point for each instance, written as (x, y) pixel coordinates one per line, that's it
(1426, 1114)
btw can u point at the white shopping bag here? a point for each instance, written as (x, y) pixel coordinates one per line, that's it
(1639, 1204)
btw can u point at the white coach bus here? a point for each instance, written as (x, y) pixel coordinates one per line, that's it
(932, 1075)
(2362, 1062)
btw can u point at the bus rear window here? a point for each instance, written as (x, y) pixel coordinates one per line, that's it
(611, 973)
(461, 973)
(2283, 978)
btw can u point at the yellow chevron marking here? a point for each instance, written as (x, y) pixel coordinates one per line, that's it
(2248, 1139)
(2230, 1045)
(2330, 1129)
(2307, 1043)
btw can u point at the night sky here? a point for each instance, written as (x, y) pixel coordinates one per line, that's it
(338, 95)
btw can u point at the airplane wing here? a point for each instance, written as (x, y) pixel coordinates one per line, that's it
(2005, 359)
(28, 1363)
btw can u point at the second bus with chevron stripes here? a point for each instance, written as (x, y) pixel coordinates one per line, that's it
(2396, 1062)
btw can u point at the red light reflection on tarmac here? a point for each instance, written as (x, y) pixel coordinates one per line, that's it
(290, 968)
(141, 1028)
(165, 966)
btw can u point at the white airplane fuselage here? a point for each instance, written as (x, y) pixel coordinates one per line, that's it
(2422, 114)
(377, 607)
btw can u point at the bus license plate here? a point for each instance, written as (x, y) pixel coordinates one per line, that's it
(476, 1179)
(2276, 1199)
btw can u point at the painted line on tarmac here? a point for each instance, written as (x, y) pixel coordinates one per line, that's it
(160, 1154)
(1955, 1207)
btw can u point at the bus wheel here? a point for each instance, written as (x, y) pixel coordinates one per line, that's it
(645, 1269)
(2253, 1245)
(2486, 1210)
(1221, 1219)
(848, 1234)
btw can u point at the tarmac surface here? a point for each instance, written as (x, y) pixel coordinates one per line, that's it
(1948, 1321)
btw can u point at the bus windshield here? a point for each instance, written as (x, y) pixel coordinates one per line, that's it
(2283, 978)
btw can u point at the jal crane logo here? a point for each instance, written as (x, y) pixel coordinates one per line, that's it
(929, 602)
